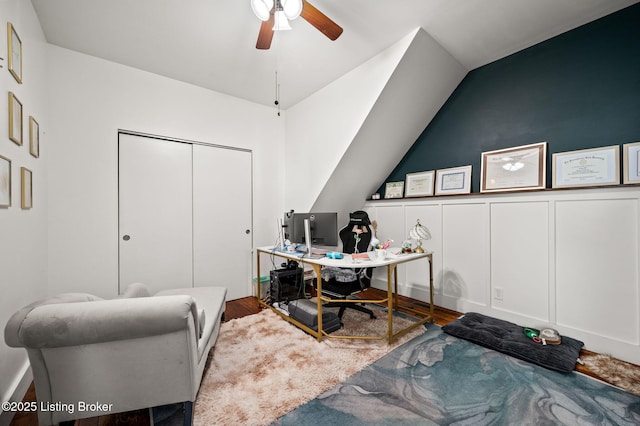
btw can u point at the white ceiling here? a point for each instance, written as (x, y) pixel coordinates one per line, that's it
(211, 43)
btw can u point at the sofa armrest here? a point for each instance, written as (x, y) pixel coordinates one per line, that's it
(12, 327)
(71, 324)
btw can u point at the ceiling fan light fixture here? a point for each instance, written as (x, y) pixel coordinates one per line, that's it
(281, 23)
(262, 8)
(292, 8)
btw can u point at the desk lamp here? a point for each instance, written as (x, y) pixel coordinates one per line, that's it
(419, 232)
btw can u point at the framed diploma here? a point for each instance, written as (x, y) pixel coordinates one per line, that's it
(631, 163)
(514, 169)
(15, 119)
(15, 53)
(394, 190)
(5, 182)
(419, 184)
(586, 167)
(456, 180)
(27, 188)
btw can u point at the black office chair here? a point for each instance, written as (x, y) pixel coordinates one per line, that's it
(342, 283)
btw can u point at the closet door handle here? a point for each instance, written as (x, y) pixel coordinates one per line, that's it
(248, 231)
(126, 237)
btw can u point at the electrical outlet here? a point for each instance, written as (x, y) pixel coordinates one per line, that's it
(498, 293)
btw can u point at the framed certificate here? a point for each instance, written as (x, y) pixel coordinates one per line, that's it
(419, 184)
(456, 180)
(586, 167)
(394, 190)
(631, 163)
(514, 169)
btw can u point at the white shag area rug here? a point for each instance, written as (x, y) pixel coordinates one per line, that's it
(263, 367)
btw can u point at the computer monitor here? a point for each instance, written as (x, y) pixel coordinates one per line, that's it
(324, 228)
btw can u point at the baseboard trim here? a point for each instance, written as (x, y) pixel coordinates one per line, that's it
(20, 387)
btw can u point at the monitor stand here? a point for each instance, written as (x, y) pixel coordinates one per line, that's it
(307, 235)
(307, 242)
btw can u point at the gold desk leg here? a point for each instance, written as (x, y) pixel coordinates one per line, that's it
(317, 270)
(390, 301)
(395, 281)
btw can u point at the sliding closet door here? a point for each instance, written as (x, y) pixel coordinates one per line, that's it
(155, 212)
(222, 221)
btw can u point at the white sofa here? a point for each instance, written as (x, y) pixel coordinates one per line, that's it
(92, 356)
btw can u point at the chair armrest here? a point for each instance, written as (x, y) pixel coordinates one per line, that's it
(71, 324)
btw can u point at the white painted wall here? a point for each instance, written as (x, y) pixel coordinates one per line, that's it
(90, 99)
(23, 234)
(567, 259)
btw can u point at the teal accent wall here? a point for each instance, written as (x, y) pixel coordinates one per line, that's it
(578, 90)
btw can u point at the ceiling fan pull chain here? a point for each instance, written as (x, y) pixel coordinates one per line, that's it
(277, 102)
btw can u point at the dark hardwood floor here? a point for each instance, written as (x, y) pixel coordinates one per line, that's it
(238, 309)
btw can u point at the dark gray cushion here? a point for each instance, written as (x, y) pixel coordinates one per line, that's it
(509, 338)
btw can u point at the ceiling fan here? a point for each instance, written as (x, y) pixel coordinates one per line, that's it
(275, 15)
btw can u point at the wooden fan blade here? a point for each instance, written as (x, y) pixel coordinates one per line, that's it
(319, 20)
(266, 34)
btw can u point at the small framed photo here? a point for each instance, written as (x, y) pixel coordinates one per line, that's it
(631, 163)
(586, 167)
(5, 182)
(419, 184)
(34, 137)
(27, 188)
(455, 180)
(15, 119)
(15, 53)
(394, 190)
(514, 169)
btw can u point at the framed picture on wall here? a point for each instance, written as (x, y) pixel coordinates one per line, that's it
(419, 184)
(514, 169)
(15, 53)
(631, 163)
(455, 180)
(15, 119)
(27, 188)
(5, 182)
(34, 137)
(394, 190)
(586, 167)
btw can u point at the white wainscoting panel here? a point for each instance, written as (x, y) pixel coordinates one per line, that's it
(520, 258)
(465, 255)
(597, 267)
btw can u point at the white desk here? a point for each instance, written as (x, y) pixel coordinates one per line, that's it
(392, 262)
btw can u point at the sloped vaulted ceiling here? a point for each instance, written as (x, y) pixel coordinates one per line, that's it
(340, 176)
